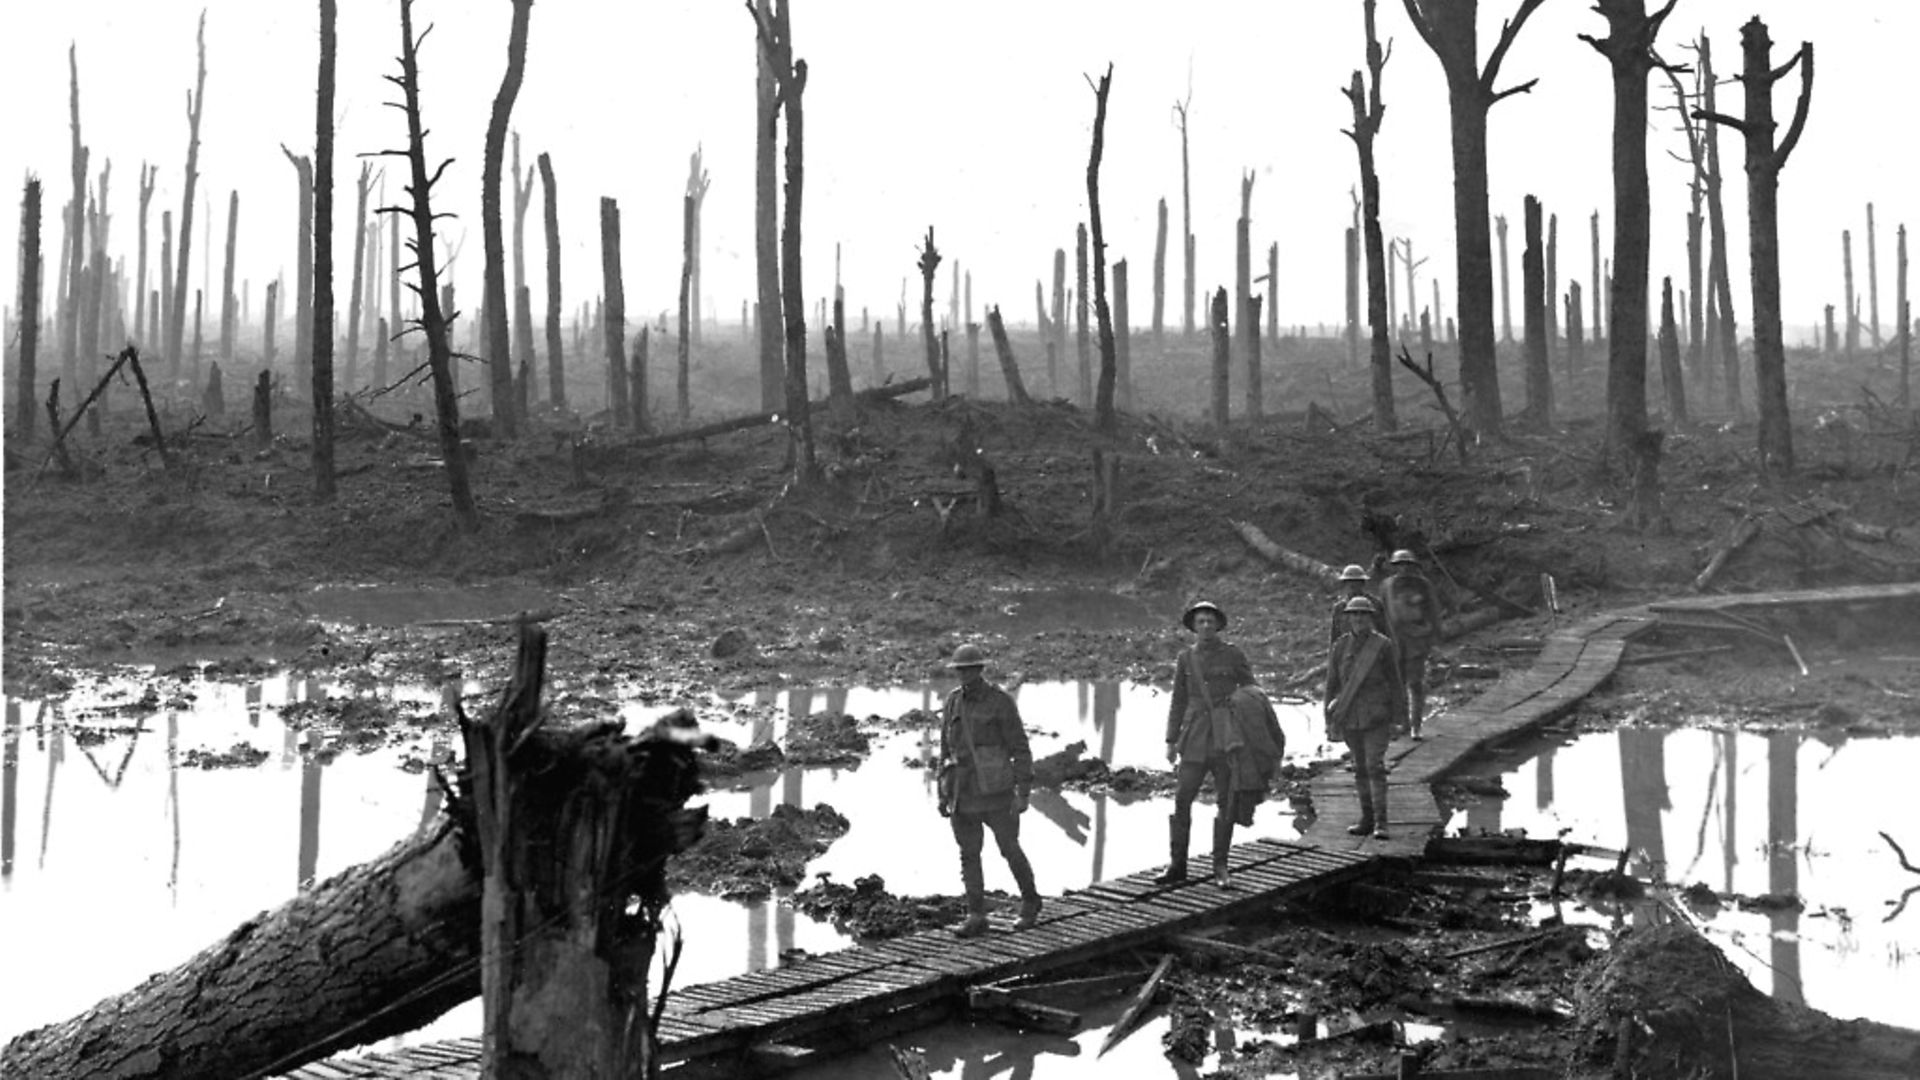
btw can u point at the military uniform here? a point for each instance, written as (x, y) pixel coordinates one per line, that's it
(1413, 619)
(983, 749)
(1207, 672)
(1365, 700)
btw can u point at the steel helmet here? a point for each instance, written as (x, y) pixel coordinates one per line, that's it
(968, 656)
(1186, 617)
(1353, 572)
(1403, 556)
(1360, 605)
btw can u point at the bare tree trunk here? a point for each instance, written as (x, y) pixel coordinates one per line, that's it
(1576, 333)
(1082, 354)
(556, 361)
(1009, 367)
(1628, 48)
(1506, 312)
(1597, 278)
(322, 456)
(1222, 357)
(1905, 314)
(1670, 376)
(1180, 109)
(683, 399)
(268, 330)
(1764, 162)
(766, 213)
(1553, 280)
(76, 239)
(1367, 113)
(30, 266)
(303, 270)
(522, 295)
(839, 376)
(613, 293)
(1873, 283)
(1122, 337)
(1058, 324)
(697, 184)
(229, 301)
(791, 76)
(499, 347)
(1273, 292)
(1246, 317)
(1449, 29)
(973, 360)
(195, 104)
(362, 188)
(1533, 316)
(637, 395)
(1160, 274)
(432, 320)
(1719, 264)
(929, 262)
(147, 175)
(1103, 413)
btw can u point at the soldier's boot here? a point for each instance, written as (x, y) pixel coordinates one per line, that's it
(1029, 894)
(1179, 827)
(1379, 784)
(974, 880)
(1222, 846)
(1365, 825)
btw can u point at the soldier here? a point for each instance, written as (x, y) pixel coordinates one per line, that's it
(1413, 620)
(986, 776)
(1353, 582)
(1365, 701)
(1201, 733)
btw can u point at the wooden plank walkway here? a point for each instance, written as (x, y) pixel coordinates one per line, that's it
(820, 994)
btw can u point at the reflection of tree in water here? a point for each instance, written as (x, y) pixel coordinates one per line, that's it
(1783, 861)
(9, 788)
(1643, 783)
(310, 769)
(1012, 1054)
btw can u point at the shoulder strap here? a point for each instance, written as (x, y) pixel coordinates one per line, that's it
(1199, 679)
(1369, 652)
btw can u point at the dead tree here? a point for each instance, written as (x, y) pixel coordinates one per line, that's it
(973, 359)
(1082, 354)
(1533, 315)
(1696, 218)
(1160, 274)
(499, 348)
(1506, 312)
(1905, 314)
(1246, 316)
(1273, 292)
(1593, 225)
(195, 103)
(556, 362)
(1009, 366)
(1180, 114)
(682, 398)
(1222, 357)
(1109, 363)
(1449, 29)
(1367, 113)
(1628, 48)
(1671, 380)
(1576, 330)
(1351, 248)
(362, 188)
(929, 262)
(30, 267)
(522, 295)
(637, 395)
(1553, 279)
(433, 321)
(697, 184)
(790, 75)
(1846, 265)
(614, 318)
(322, 260)
(1058, 324)
(1122, 338)
(263, 410)
(1764, 162)
(1721, 329)
(147, 175)
(303, 269)
(839, 375)
(268, 329)
(74, 249)
(766, 205)
(1873, 283)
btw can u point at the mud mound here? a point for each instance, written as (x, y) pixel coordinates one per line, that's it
(867, 911)
(748, 859)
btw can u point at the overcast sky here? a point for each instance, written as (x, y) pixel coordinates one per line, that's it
(973, 118)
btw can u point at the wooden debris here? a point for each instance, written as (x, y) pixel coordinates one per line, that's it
(908, 1064)
(1492, 850)
(1743, 533)
(1015, 1010)
(1502, 943)
(1243, 954)
(1137, 1008)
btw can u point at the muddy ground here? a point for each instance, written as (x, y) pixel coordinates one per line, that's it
(667, 573)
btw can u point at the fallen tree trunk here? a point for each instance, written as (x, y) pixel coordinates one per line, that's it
(742, 423)
(395, 941)
(1279, 556)
(1744, 532)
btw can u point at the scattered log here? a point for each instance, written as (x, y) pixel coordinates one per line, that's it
(1425, 375)
(1090, 986)
(1240, 954)
(1502, 943)
(1279, 556)
(743, 423)
(908, 1064)
(1010, 1008)
(1745, 531)
(1137, 1008)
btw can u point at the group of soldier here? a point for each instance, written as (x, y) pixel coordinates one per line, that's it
(1219, 725)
